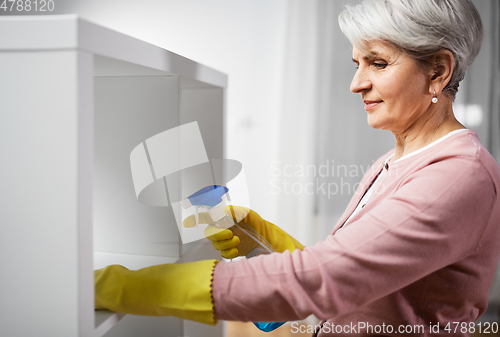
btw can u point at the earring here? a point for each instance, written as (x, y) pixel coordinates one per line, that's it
(434, 99)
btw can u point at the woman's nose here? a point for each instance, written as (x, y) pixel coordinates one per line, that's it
(360, 82)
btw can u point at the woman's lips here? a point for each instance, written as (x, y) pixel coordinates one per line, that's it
(369, 105)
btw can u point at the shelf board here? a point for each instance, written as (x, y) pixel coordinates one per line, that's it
(69, 32)
(105, 320)
(131, 261)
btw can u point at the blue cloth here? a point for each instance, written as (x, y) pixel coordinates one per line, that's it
(268, 326)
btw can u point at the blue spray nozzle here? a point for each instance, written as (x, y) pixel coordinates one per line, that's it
(209, 196)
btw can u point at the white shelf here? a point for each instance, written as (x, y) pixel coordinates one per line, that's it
(76, 98)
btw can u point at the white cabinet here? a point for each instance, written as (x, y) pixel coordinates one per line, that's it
(75, 99)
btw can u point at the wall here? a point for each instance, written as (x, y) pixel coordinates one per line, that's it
(243, 39)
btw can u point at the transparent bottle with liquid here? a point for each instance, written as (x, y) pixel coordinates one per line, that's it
(248, 248)
(214, 199)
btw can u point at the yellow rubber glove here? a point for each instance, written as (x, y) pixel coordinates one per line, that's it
(232, 242)
(181, 290)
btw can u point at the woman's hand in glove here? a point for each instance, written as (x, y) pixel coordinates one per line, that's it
(233, 242)
(181, 290)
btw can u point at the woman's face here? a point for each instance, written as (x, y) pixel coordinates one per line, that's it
(394, 89)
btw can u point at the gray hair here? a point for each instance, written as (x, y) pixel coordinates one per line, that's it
(420, 28)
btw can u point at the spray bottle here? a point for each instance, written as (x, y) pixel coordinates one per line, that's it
(213, 198)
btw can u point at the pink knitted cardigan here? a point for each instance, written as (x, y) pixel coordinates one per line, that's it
(422, 252)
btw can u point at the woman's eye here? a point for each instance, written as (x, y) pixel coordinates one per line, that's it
(379, 65)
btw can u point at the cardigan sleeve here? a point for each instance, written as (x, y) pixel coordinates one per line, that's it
(434, 218)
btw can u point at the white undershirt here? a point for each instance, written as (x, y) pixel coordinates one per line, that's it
(362, 203)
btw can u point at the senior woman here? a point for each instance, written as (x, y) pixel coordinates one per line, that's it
(417, 247)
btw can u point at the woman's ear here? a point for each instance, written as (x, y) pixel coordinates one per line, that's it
(443, 65)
